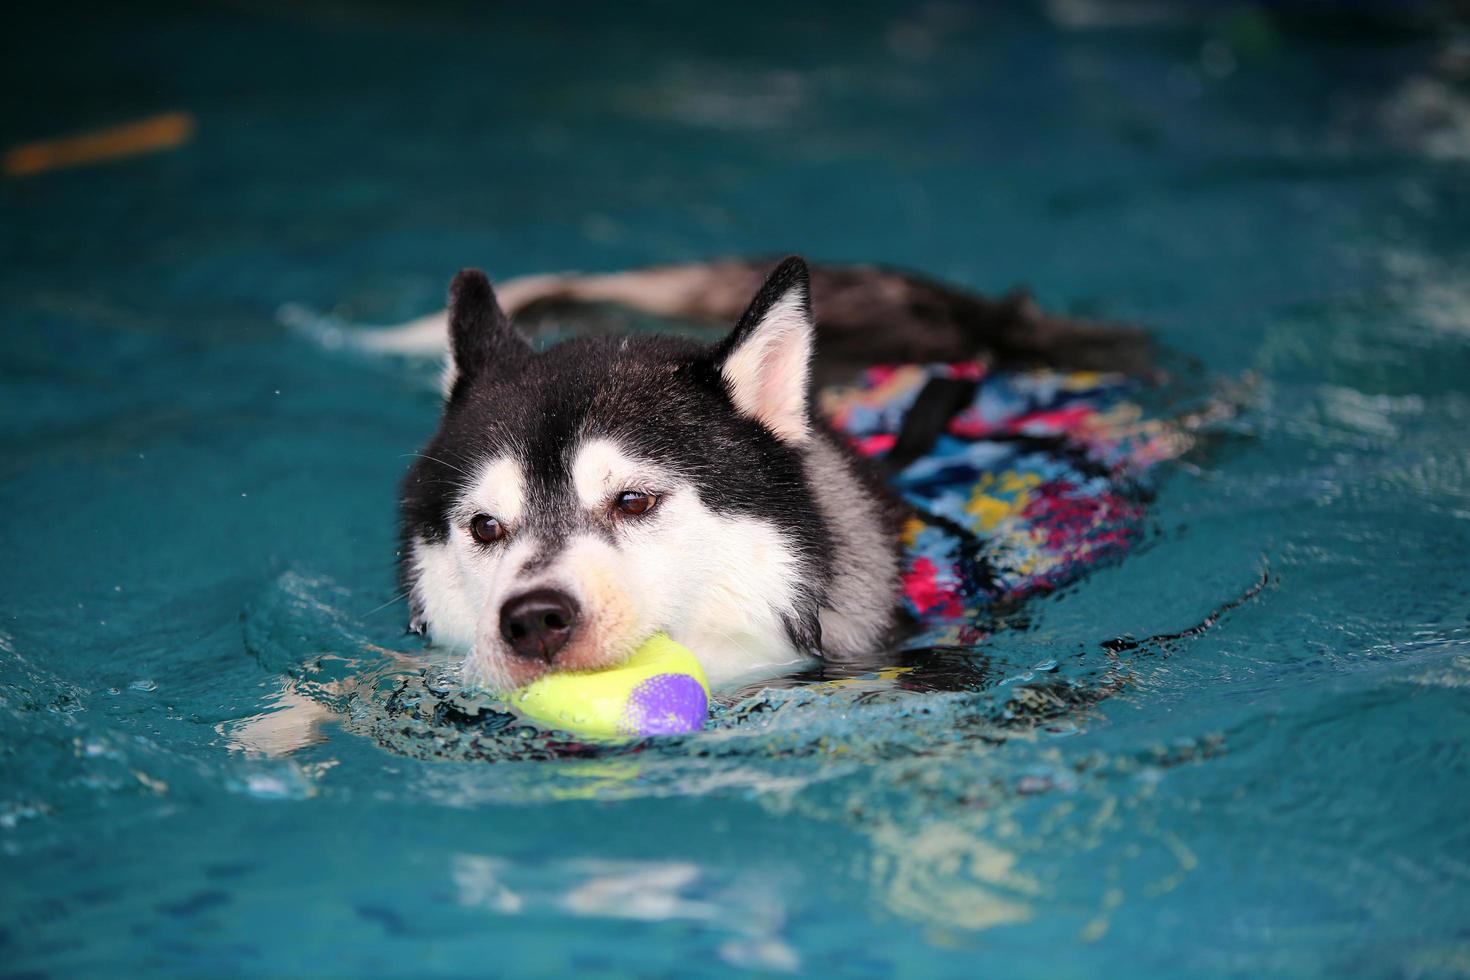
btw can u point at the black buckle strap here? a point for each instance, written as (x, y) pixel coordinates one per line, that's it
(938, 401)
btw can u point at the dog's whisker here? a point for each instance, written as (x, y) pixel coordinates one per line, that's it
(441, 462)
(398, 598)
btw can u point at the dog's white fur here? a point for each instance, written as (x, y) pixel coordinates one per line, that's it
(712, 581)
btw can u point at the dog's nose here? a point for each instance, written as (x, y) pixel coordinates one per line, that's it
(537, 624)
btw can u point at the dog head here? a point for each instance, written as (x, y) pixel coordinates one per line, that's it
(575, 501)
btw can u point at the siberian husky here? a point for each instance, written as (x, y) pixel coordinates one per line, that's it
(576, 500)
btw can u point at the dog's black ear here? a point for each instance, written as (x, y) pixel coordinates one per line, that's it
(480, 334)
(766, 361)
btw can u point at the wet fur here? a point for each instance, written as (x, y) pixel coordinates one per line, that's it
(778, 545)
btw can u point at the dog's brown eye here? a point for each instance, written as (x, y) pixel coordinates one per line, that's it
(486, 529)
(635, 503)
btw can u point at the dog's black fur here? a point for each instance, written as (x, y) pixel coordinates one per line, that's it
(662, 396)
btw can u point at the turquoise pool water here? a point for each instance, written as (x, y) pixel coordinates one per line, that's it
(198, 534)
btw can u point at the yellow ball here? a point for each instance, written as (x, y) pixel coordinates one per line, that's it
(659, 690)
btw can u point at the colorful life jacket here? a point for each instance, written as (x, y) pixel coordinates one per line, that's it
(1020, 482)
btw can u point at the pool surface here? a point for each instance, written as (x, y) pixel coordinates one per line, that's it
(202, 766)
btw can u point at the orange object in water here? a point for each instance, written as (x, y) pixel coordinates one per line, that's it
(161, 132)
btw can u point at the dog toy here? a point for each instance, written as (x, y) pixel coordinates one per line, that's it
(659, 690)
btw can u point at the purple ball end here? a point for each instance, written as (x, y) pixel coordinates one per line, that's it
(666, 704)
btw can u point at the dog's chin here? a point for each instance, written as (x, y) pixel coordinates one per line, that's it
(502, 671)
